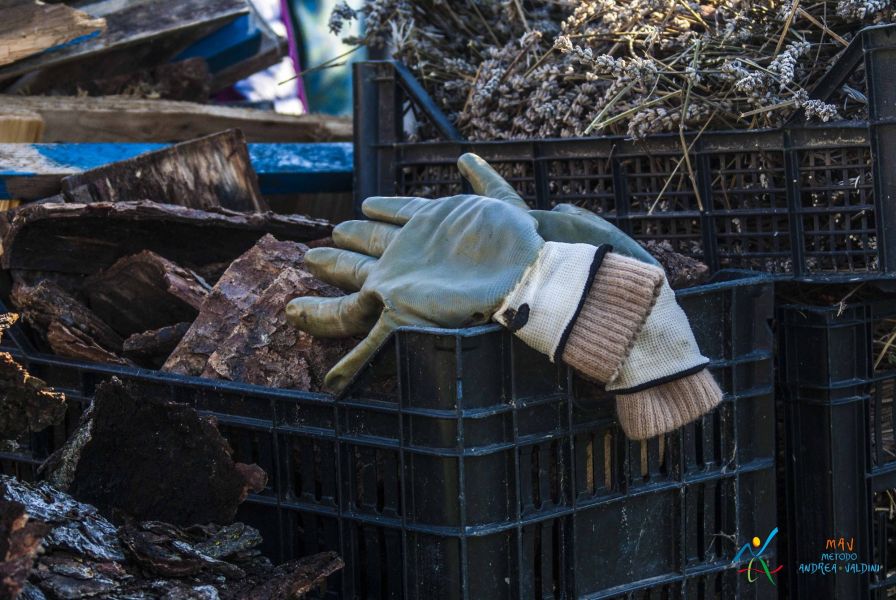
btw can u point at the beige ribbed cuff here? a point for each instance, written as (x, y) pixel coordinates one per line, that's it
(614, 311)
(668, 406)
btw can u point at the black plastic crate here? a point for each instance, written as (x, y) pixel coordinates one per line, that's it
(840, 446)
(799, 201)
(465, 465)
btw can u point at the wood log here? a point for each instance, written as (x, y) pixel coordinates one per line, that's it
(188, 80)
(138, 34)
(129, 119)
(37, 28)
(85, 238)
(35, 171)
(207, 173)
(128, 444)
(47, 303)
(152, 348)
(145, 291)
(266, 350)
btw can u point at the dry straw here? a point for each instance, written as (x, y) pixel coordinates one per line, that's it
(516, 69)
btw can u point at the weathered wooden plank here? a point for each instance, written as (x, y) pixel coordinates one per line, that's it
(207, 173)
(125, 119)
(186, 80)
(34, 171)
(36, 28)
(19, 125)
(85, 238)
(139, 33)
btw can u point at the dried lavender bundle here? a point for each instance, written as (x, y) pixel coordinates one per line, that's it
(517, 69)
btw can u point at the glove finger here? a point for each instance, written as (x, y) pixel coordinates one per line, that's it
(397, 210)
(584, 227)
(345, 370)
(572, 209)
(342, 268)
(486, 181)
(367, 237)
(344, 316)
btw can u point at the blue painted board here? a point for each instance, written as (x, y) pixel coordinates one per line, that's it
(235, 42)
(33, 171)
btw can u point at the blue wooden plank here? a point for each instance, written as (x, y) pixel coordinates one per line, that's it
(235, 42)
(281, 168)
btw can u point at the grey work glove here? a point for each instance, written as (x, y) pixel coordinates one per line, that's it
(464, 261)
(660, 385)
(368, 239)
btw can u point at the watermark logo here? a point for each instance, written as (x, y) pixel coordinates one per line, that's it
(839, 556)
(758, 565)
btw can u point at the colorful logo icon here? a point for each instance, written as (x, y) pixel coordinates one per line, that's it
(754, 572)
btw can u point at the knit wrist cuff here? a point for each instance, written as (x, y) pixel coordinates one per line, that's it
(613, 312)
(542, 307)
(668, 406)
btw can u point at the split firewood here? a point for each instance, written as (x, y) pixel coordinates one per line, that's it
(127, 444)
(84, 555)
(151, 348)
(681, 271)
(207, 173)
(26, 403)
(46, 303)
(85, 238)
(145, 291)
(241, 333)
(34, 27)
(266, 350)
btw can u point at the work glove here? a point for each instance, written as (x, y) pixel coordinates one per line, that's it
(464, 260)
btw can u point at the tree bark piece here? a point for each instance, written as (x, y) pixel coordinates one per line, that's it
(266, 350)
(145, 291)
(26, 403)
(85, 556)
(129, 119)
(233, 295)
(153, 347)
(681, 271)
(85, 238)
(32, 28)
(72, 343)
(47, 303)
(207, 173)
(20, 540)
(241, 332)
(127, 445)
